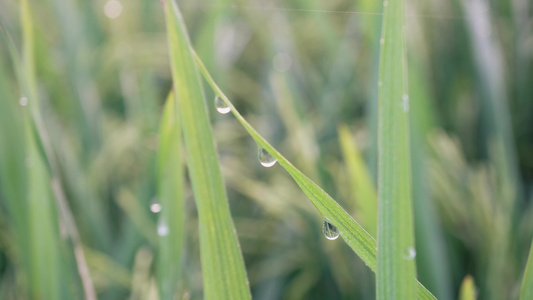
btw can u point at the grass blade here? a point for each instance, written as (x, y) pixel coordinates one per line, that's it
(527, 282)
(360, 181)
(433, 268)
(223, 268)
(13, 172)
(396, 264)
(362, 243)
(468, 289)
(45, 254)
(49, 207)
(171, 199)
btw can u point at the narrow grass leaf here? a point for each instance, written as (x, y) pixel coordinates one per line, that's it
(361, 184)
(223, 269)
(433, 268)
(171, 223)
(49, 210)
(527, 282)
(44, 236)
(396, 265)
(468, 289)
(362, 243)
(13, 171)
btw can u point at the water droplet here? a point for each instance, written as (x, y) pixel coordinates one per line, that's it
(155, 207)
(23, 101)
(265, 158)
(330, 231)
(162, 228)
(385, 3)
(382, 41)
(405, 102)
(221, 106)
(410, 253)
(380, 83)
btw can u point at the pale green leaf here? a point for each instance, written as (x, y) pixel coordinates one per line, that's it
(361, 185)
(468, 289)
(171, 223)
(396, 265)
(527, 281)
(223, 268)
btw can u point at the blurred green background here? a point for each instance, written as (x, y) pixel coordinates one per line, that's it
(304, 73)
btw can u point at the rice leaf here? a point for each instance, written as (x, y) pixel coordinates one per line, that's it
(468, 289)
(396, 265)
(223, 268)
(361, 183)
(527, 282)
(49, 210)
(171, 224)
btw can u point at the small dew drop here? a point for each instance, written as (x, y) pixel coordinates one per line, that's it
(385, 3)
(155, 207)
(380, 83)
(331, 232)
(265, 158)
(405, 102)
(382, 41)
(162, 228)
(23, 101)
(410, 253)
(113, 9)
(221, 106)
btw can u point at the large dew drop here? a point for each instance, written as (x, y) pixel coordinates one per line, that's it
(331, 232)
(221, 106)
(265, 158)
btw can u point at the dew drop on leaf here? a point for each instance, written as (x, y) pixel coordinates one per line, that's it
(331, 232)
(23, 101)
(221, 106)
(162, 227)
(265, 158)
(410, 253)
(155, 207)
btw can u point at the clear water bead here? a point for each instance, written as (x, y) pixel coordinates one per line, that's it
(265, 158)
(331, 232)
(221, 106)
(23, 101)
(162, 228)
(405, 102)
(410, 253)
(155, 207)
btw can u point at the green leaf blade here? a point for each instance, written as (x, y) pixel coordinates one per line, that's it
(468, 289)
(361, 183)
(527, 282)
(171, 199)
(396, 265)
(222, 263)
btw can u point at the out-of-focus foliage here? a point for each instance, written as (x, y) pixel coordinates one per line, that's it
(296, 70)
